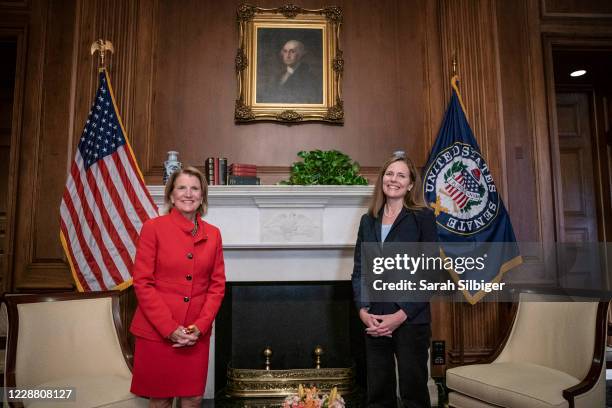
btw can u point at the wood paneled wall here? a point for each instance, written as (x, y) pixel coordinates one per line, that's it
(391, 54)
(173, 74)
(45, 75)
(470, 38)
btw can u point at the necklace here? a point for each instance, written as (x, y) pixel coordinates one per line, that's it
(194, 231)
(388, 214)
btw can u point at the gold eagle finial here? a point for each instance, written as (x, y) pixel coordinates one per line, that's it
(102, 46)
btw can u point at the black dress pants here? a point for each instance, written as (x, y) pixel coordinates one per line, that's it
(409, 344)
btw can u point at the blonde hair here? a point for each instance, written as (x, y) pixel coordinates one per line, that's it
(413, 200)
(191, 171)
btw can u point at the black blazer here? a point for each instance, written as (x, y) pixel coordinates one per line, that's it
(409, 226)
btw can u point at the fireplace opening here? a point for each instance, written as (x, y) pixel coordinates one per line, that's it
(291, 318)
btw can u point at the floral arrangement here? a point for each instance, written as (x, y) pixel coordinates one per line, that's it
(310, 398)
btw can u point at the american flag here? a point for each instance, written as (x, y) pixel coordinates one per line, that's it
(105, 201)
(462, 187)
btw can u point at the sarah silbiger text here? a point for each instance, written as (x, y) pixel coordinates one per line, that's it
(449, 285)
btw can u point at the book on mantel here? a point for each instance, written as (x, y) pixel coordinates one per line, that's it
(209, 170)
(243, 180)
(239, 169)
(243, 166)
(215, 170)
(243, 174)
(222, 171)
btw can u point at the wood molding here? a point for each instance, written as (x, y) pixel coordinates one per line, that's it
(130, 68)
(14, 5)
(527, 150)
(456, 358)
(587, 14)
(274, 174)
(540, 142)
(44, 275)
(20, 36)
(42, 144)
(603, 142)
(267, 174)
(141, 136)
(436, 77)
(550, 42)
(470, 35)
(110, 22)
(583, 30)
(29, 137)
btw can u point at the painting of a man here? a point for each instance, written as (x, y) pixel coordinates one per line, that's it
(290, 66)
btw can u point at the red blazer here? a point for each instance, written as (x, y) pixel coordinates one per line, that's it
(179, 279)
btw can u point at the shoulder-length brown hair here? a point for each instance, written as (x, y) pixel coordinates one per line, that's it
(413, 200)
(192, 171)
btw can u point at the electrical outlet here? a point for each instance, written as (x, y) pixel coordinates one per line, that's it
(438, 352)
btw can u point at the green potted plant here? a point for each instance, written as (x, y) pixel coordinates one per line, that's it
(329, 167)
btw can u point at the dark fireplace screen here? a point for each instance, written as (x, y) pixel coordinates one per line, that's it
(291, 318)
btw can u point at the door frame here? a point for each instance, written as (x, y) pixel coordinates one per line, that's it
(602, 177)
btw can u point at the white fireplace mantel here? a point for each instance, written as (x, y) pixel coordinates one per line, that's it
(286, 233)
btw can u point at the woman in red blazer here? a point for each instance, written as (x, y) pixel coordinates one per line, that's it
(179, 279)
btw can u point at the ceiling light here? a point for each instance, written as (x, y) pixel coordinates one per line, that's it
(577, 73)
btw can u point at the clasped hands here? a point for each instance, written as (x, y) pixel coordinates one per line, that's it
(381, 325)
(185, 336)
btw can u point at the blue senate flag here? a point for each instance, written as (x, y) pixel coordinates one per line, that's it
(470, 215)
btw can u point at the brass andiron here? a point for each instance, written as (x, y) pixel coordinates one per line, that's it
(318, 352)
(267, 353)
(274, 383)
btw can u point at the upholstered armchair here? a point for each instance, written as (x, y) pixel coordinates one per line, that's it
(552, 357)
(70, 340)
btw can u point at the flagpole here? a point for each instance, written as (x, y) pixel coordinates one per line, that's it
(455, 83)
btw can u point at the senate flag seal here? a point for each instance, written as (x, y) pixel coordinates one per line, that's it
(460, 188)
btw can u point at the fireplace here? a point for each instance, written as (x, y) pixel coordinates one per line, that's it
(291, 319)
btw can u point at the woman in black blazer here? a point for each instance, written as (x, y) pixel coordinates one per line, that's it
(396, 331)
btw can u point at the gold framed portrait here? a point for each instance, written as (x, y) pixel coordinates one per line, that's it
(289, 65)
